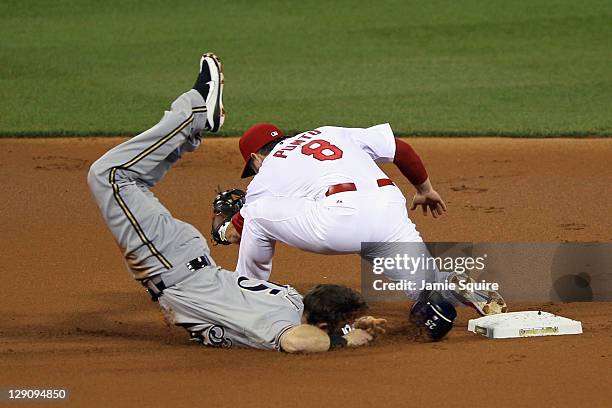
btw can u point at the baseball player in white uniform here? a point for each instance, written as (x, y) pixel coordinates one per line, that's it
(322, 191)
(172, 259)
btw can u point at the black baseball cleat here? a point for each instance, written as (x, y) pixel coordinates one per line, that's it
(210, 85)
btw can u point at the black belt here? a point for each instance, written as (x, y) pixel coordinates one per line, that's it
(156, 284)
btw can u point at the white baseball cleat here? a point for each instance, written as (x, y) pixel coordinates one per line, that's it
(210, 85)
(486, 302)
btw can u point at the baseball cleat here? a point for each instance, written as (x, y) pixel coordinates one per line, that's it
(485, 302)
(210, 85)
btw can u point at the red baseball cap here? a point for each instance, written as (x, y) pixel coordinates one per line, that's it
(256, 137)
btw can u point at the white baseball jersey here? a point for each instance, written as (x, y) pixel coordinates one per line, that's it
(307, 164)
(286, 201)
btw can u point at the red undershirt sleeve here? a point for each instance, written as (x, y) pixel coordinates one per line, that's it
(409, 163)
(238, 222)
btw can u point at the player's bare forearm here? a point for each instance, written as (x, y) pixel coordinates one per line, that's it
(424, 187)
(232, 235)
(307, 338)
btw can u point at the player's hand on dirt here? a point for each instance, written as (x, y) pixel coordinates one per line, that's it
(370, 324)
(429, 200)
(358, 338)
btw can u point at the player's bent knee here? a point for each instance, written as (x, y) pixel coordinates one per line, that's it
(94, 174)
(97, 176)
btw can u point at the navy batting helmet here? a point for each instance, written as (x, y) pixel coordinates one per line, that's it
(434, 314)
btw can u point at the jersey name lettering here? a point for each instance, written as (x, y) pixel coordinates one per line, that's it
(302, 138)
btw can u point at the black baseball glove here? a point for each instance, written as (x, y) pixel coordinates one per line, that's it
(225, 205)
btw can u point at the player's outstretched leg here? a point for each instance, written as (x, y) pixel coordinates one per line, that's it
(153, 241)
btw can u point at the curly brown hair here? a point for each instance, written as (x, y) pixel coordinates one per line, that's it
(334, 305)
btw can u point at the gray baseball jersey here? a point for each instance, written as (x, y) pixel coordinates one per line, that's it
(216, 306)
(222, 309)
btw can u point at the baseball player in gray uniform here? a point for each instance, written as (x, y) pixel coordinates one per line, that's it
(172, 259)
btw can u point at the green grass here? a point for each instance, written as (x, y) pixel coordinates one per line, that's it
(516, 68)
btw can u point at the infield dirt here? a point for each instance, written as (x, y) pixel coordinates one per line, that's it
(72, 318)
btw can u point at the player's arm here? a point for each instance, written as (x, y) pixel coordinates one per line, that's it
(233, 231)
(307, 338)
(411, 166)
(383, 147)
(228, 232)
(226, 205)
